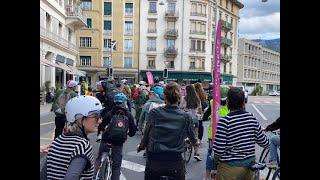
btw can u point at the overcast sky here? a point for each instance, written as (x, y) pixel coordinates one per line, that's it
(260, 20)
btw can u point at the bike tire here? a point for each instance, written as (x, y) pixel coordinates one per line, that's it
(105, 171)
(263, 155)
(276, 175)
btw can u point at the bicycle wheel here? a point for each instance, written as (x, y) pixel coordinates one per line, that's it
(188, 152)
(105, 170)
(276, 175)
(264, 154)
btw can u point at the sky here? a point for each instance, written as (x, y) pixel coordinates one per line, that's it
(260, 20)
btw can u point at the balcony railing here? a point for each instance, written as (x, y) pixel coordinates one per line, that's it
(73, 11)
(107, 49)
(152, 11)
(151, 48)
(171, 33)
(57, 39)
(128, 13)
(152, 30)
(225, 41)
(197, 32)
(197, 50)
(107, 32)
(226, 58)
(196, 68)
(198, 14)
(226, 25)
(172, 14)
(128, 33)
(170, 52)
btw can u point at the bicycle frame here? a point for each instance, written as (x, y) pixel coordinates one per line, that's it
(105, 157)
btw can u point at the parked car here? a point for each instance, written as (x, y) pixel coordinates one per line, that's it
(274, 93)
(245, 93)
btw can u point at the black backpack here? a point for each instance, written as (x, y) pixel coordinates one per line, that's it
(118, 127)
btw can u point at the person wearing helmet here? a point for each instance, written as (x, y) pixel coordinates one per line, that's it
(58, 106)
(119, 123)
(71, 155)
(223, 111)
(157, 87)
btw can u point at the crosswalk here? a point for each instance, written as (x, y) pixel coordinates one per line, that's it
(264, 102)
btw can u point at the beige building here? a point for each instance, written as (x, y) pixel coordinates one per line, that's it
(58, 53)
(258, 66)
(110, 21)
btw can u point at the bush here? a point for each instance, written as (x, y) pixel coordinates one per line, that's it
(58, 85)
(257, 91)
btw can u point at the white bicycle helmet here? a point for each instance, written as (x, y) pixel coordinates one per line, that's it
(82, 106)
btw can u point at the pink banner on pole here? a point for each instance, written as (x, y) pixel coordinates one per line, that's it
(216, 81)
(150, 78)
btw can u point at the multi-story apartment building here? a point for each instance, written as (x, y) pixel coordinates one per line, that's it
(177, 35)
(110, 21)
(58, 53)
(258, 66)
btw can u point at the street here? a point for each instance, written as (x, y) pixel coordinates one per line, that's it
(265, 109)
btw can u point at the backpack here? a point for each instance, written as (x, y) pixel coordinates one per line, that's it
(61, 102)
(118, 127)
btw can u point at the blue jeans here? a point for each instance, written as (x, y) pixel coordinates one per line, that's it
(273, 146)
(209, 161)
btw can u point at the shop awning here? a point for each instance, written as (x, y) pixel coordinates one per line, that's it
(64, 67)
(46, 62)
(181, 76)
(76, 72)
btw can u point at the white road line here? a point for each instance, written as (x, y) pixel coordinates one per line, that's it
(267, 102)
(46, 123)
(46, 138)
(122, 177)
(132, 166)
(278, 102)
(263, 117)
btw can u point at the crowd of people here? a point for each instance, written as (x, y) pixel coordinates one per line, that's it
(165, 114)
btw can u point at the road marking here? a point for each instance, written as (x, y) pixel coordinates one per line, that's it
(278, 102)
(132, 166)
(263, 117)
(41, 138)
(46, 123)
(122, 177)
(267, 102)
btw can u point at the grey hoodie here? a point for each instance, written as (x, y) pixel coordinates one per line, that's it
(145, 109)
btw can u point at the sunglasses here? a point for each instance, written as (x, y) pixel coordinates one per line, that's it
(93, 114)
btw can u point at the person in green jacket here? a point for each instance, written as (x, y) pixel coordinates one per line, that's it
(223, 111)
(138, 103)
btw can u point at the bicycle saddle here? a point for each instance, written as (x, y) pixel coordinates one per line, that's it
(257, 166)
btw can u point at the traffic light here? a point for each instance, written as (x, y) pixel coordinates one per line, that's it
(109, 71)
(165, 73)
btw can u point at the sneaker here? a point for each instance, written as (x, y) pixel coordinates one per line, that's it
(272, 164)
(197, 157)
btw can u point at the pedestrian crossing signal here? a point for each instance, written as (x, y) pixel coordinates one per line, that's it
(165, 73)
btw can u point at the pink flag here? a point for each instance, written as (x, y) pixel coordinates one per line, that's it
(150, 78)
(216, 81)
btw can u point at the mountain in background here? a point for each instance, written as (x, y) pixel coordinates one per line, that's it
(273, 44)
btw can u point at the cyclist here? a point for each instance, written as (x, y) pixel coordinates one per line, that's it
(223, 111)
(157, 87)
(111, 135)
(70, 156)
(236, 135)
(192, 105)
(274, 144)
(166, 129)
(58, 106)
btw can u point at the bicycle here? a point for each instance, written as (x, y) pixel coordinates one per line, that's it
(256, 168)
(104, 169)
(188, 150)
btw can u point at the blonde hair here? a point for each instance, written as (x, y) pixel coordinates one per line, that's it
(74, 127)
(201, 93)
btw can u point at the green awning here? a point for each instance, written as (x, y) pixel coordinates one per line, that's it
(227, 78)
(180, 76)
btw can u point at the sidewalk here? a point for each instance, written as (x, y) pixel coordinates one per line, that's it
(45, 108)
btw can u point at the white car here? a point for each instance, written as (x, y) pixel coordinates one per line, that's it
(274, 93)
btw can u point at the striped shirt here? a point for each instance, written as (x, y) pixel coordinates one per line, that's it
(236, 136)
(66, 147)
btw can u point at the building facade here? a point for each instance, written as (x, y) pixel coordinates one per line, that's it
(110, 22)
(258, 66)
(178, 35)
(58, 53)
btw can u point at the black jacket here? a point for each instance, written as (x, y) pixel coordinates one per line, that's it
(166, 129)
(274, 126)
(107, 119)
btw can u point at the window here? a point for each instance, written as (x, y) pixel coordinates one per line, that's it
(193, 45)
(60, 29)
(152, 7)
(107, 8)
(151, 63)
(128, 45)
(107, 25)
(193, 26)
(231, 7)
(199, 9)
(86, 4)
(172, 7)
(48, 22)
(107, 44)
(224, 68)
(89, 23)
(85, 41)
(69, 34)
(193, 8)
(198, 45)
(152, 25)
(204, 9)
(227, 4)
(203, 46)
(170, 43)
(231, 21)
(107, 61)
(128, 62)
(220, 14)
(170, 63)
(129, 9)
(202, 63)
(226, 17)
(230, 68)
(152, 44)
(128, 28)
(85, 60)
(192, 63)
(220, 2)
(203, 28)
(171, 25)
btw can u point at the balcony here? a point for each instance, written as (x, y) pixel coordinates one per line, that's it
(226, 58)
(151, 48)
(171, 33)
(226, 25)
(107, 32)
(226, 42)
(60, 41)
(151, 67)
(172, 14)
(75, 16)
(128, 33)
(198, 14)
(197, 50)
(197, 32)
(106, 49)
(170, 52)
(193, 68)
(152, 30)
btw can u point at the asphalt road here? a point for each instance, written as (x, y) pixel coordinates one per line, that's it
(266, 110)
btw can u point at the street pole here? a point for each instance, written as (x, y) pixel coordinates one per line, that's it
(214, 35)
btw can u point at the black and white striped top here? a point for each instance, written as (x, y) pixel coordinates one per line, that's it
(66, 147)
(236, 136)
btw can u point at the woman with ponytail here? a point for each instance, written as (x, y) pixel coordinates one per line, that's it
(166, 129)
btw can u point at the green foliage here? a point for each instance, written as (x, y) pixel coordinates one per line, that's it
(257, 91)
(58, 85)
